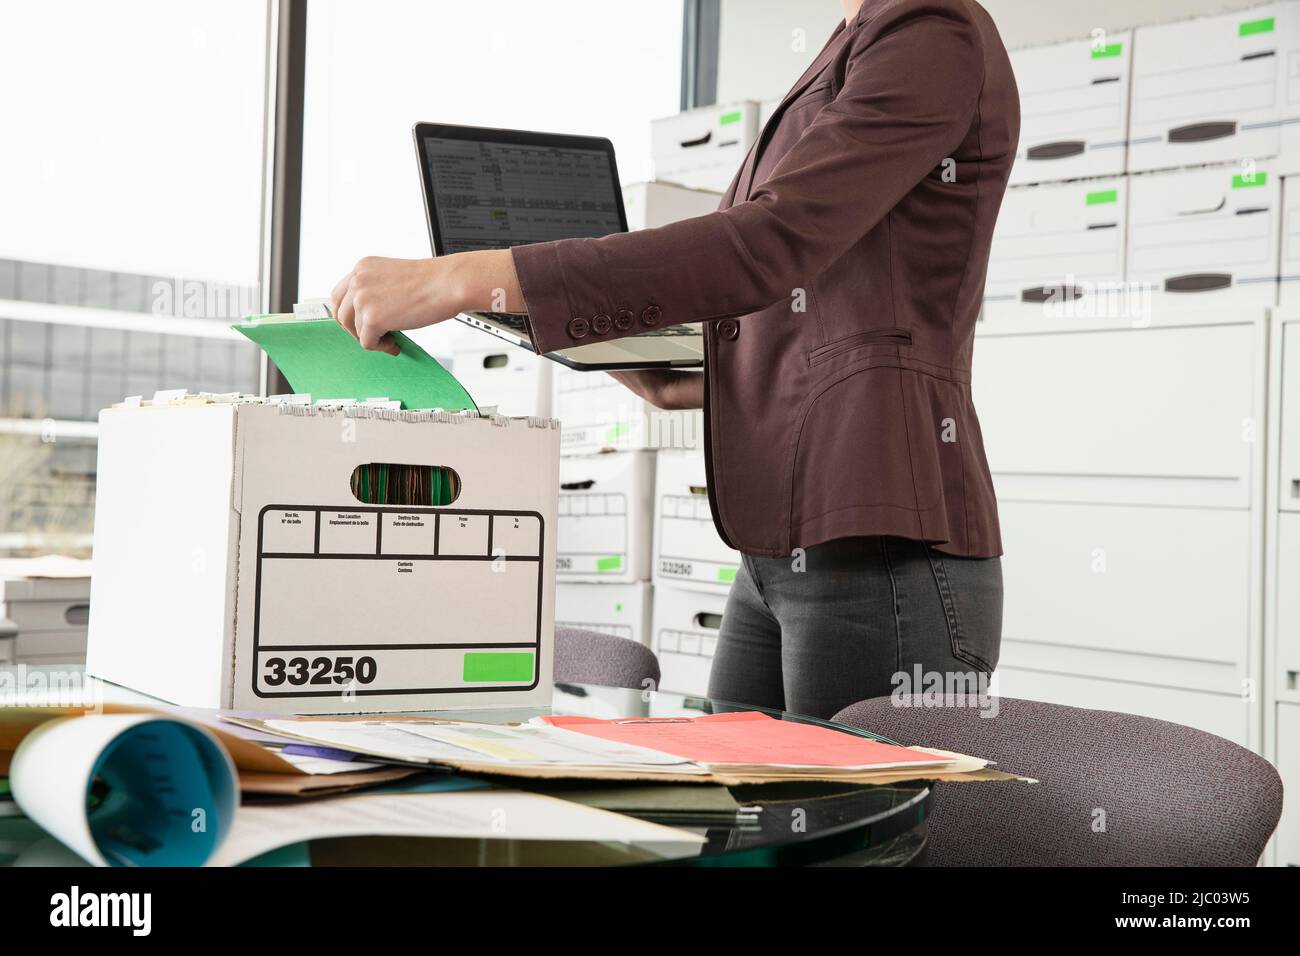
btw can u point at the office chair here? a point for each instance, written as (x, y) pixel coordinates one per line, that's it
(588, 657)
(1114, 789)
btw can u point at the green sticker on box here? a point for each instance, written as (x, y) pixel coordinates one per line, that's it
(483, 667)
(1245, 181)
(612, 563)
(726, 119)
(1109, 50)
(1248, 28)
(726, 575)
(1102, 196)
(617, 431)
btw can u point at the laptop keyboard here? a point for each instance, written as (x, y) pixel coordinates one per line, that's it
(516, 323)
(511, 320)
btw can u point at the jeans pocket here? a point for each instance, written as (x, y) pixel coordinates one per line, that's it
(971, 591)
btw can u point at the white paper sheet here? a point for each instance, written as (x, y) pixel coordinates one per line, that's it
(475, 814)
(520, 745)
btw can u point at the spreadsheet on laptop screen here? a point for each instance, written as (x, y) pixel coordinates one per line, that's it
(491, 195)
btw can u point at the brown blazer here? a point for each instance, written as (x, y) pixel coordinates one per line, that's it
(839, 284)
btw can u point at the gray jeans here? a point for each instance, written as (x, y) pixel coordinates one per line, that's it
(852, 620)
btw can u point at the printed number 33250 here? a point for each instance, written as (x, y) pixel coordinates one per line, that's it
(319, 670)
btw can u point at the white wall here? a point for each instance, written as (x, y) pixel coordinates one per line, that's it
(765, 44)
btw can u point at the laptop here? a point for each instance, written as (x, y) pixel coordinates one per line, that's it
(498, 188)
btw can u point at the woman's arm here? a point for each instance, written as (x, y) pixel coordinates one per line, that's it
(665, 388)
(911, 84)
(383, 295)
(386, 295)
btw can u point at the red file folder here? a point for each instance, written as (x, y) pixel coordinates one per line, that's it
(750, 739)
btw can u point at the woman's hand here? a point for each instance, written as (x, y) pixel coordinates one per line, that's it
(665, 388)
(381, 295)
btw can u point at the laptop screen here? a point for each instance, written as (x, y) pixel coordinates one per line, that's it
(494, 195)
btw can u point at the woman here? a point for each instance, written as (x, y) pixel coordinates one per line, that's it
(839, 285)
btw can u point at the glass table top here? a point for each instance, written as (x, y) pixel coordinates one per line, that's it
(797, 823)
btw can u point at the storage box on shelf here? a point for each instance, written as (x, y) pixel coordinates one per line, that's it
(599, 414)
(500, 374)
(1206, 237)
(657, 204)
(1130, 488)
(1288, 290)
(1074, 101)
(688, 551)
(1216, 88)
(685, 626)
(703, 148)
(606, 511)
(622, 610)
(51, 615)
(1058, 249)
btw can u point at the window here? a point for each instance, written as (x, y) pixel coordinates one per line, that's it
(374, 70)
(130, 230)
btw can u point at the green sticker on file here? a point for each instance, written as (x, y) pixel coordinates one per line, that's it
(726, 575)
(1248, 28)
(726, 119)
(1247, 180)
(1109, 50)
(611, 563)
(1101, 197)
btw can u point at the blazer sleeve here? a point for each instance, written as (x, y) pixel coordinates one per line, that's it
(909, 98)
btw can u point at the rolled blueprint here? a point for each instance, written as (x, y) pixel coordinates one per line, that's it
(127, 789)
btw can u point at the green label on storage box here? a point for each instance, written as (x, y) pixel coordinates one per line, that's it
(483, 667)
(1247, 180)
(612, 563)
(726, 575)
(1248, 28)
(1101, 197)
(726, 119)
(1110, 49)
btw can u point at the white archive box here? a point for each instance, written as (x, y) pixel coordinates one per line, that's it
(622, 610)
(685, 624)
(1205, 237)
(599, 414)
(1058, 248)
(234, 567)
(1216, 88)
(51, 616)
(1073, 108)
(656, 204)
(688, 551)
(1288, 288)
(605, 517)
(515, 381)
(704, 148)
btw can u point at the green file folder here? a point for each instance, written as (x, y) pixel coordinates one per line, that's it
(318, 356)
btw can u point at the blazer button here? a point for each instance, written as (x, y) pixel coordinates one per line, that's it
(578, 328)
(650, 315)
(729, 329)
(623, 320)
(601, 324)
